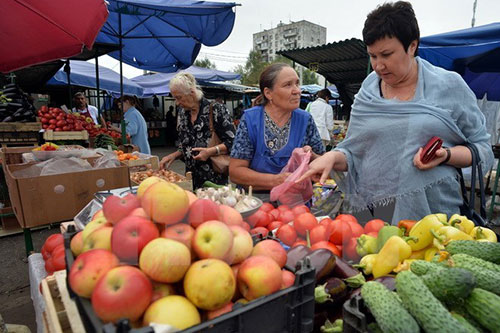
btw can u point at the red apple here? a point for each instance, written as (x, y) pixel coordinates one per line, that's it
(116, 208)
(180, 232)
(202, 210)
(288, 279)
(259, 276)
(245, 226)
(123, 292)
(161, 290)
(219, 312)
(287, 234)
(130, 235)
(213, 239)
(259, 230)
(140, 212)
(242, 245)
(229, 215)
(271, 249)
(87, 268)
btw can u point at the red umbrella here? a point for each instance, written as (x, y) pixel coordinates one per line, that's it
(34, 31)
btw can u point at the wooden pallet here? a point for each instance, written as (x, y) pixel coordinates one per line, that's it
(51, 135)
(61, 314)
(20, 127)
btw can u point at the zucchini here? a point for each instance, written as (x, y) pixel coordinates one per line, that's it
(429, 312)
(450, 285)
(485, 279)
(388, 311)
(465, 258)
(484, 306)
(464, 322)
(484, 250)
(421, 267)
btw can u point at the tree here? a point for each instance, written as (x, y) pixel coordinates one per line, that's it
(309, 77)
(205, 63)
(254, 65)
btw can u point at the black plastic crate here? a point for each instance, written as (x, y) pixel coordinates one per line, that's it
(287, 311)
(356, 316)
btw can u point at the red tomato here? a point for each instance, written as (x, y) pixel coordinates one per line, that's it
(259, 219)
(347, 218)
(286, 216)
(58, 260)
(328, 223)
(44, 120)
(283, 208)
(341, 232)
(53, 241)
(303, 222)
(45, 253)
(357, 229)
(274, 225)
(328, 246)
(49, 266)
(259, 230)
(287, 234)
(52, 121)
(319, 233)
(349, 250)
(267, 207)
(297, 210)
(374, 225)
(299, 241)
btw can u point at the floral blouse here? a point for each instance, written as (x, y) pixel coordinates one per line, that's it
(198, 135)
(275, 138)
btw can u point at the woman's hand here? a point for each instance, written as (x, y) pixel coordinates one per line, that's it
(203, 155)
(168, 160)
(440, 157)
(320, 168)
(309, 149)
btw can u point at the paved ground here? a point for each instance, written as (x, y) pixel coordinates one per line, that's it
(16, 306)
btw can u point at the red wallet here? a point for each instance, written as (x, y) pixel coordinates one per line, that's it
(430, 148)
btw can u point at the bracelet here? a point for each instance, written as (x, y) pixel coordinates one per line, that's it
(217, 150)
(448, 155)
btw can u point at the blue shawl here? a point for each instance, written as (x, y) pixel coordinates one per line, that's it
(384, 135)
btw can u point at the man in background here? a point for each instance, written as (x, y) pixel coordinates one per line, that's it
(83, 108)
(322, 113)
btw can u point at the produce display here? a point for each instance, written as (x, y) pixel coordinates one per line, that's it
(53, 253)
(125, 156)
(105, 141)
(193, 263)
(49, 146)
(170, 176)
(15, 105)
(226, 195)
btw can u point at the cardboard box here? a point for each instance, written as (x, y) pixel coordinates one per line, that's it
(55, 198)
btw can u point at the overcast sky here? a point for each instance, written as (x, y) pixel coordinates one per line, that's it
(343, 19)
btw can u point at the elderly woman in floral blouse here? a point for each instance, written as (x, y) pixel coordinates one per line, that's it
(194, 131)
(268, 134)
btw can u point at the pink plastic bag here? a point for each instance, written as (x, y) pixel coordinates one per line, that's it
(289, 193)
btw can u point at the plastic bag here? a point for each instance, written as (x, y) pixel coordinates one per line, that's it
(289, 193)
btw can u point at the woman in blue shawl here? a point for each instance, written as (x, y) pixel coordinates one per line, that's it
(402, 104)
(268, 133)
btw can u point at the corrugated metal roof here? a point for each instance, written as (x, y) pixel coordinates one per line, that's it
(339, 62)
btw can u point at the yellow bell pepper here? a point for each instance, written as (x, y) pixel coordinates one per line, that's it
(430, 253)
(403, 266)
(394, 251)
(422, 232)
(483, 234)
(447, 234)
(366, 263)
(442, 217)
(419, 254)
(462, 223)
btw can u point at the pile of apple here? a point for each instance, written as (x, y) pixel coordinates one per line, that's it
(166, 257)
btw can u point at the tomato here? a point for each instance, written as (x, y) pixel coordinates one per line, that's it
(49, 266)
(349, 251)
(274, 225)
(341, 232)
(357, 229)
(374, 225)
(347, 218)
(267, 207)
(328, 246)
(58, 129)
(45, 253)
(58, 260)
(287, 234)
(44, 120)
(283, 208)
(319, 233)
(52, 127)
(259, 230)
(275, 213)
(286, 216)
(328, 223)
(52, 121)
(259, 219)
(297, 210)
(304, 222)
(53, 241)
(299, 241)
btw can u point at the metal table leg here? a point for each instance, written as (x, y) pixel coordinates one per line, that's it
(28, 242)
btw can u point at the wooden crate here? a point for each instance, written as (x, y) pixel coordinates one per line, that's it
(152, 161)
(20, 127)
(51, 135)
(61, 314)
(18, 137)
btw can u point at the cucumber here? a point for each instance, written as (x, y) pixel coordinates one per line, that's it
(421, 267)
(465, 323)
(459, 308)
(450, 285)
(429, 312)
(484, 306)
(485, 279)
(388, 311)
(465, 258)
(484, 250)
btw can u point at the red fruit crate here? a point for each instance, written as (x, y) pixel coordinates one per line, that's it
(289, 310)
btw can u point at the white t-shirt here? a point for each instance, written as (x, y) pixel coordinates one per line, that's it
(322, 114)
(94, 113)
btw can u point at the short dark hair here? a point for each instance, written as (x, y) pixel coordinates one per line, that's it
(131, 99)
(324, 93)
(392, 19)
(268, 77)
